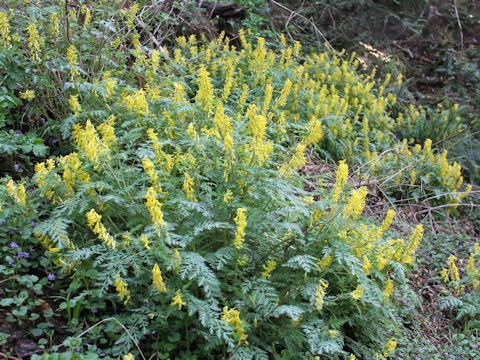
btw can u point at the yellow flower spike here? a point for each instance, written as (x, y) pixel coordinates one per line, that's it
(188, 188)
(232, 317)
(17, 192)
(28, 95)
(268, 98)
(94, 222)
(356, 203)
(333, 333)
(122, 289)
(282, 99)
(413, 244)
(366, 265)
(137, 102)
(228, 196)
(390, 347)
(155, 209)
(4, 30)
(316, 133)
(34, 42)
(107, 130)
(72, 61)
(271, 264)
(320, 294)
(75, 105)
(109, 85)
(389, 289)
(88, 15)
(386, 222)
(178, 301)
(454, 276)
(341, 180)
(144, 241)
(241, 221)
(357, 293)
(325, 262)
(157, 279)
(205, 94)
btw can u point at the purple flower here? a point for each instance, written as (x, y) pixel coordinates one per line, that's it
(475, 346)
(11, 232)
(34, 223)
(25, 254)
(13, 244)
(16, 166)
(43, 120)
(10, 262)
(54, 141)
(94, 310)
(18, 131)
(51, 277)
(3, 222)
(154, 332)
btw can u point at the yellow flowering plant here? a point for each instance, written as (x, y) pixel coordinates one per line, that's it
(179, 206)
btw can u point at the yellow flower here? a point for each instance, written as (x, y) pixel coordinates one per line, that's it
(341, 180)
(320, 294)
(205, 94)
(85, 10)
(155, 209)
(107, 130)
(17, 192)
(390, 347)
(297, 161)
(87, 139)
(241, 221)
(28, 95)
(54, 23)
(386, 223)
(232, 317)
(144, 241)
(188, 188)
(268, 269)
(122, 290)
(94, 222)
(4, 29)
(333, 333)
(282, 99)
(366, 264)
(137, 102)
(157, 279)
(413, 244)
(323, 263)
(357, 293)
(388, 288)
(109, 85)
(34, 42)
(454, 276)
(356, 202)
(72, 61)
(268, 98)
(228, 196)
(177, 300)
(242, 260)
(129, 357)
(75, 105)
